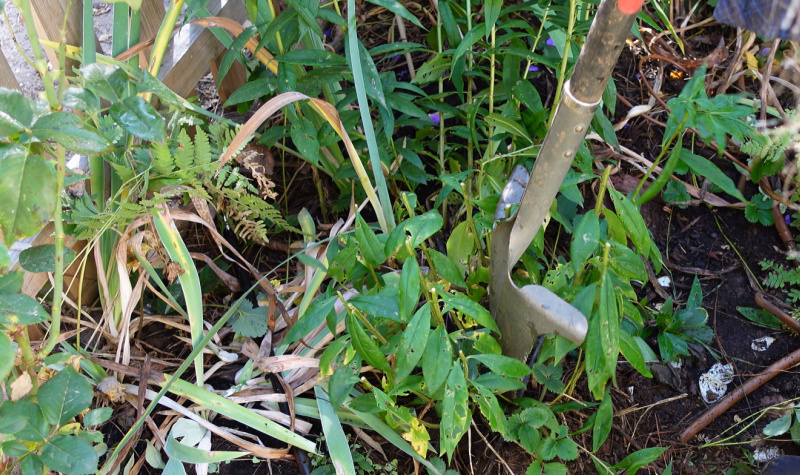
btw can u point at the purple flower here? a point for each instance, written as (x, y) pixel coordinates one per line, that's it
(638, 76)
(396, 58)
(435, 118)
(550, 42)
(533, 68)
(788, 219)
(764, 52)
(326, 32)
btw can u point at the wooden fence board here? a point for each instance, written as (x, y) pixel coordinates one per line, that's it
(7, 78)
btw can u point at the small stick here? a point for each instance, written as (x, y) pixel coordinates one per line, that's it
(738, 394)
(770, 307)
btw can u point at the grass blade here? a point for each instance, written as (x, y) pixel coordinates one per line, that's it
(338, 448)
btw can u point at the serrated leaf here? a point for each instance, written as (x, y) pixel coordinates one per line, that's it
(27, 191)
(64, 396)
(107, 81)
(139, 119)
(36, 428)
(66, 130)
(16, 113)
(69, 455)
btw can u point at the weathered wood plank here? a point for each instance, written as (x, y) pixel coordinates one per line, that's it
(48, 16)
(7, 78)
(193, 48)
(236, 78)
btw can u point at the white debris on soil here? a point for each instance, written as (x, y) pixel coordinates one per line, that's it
(676, 364)
(761, 344)
(765, 454)
(664, 281)
(714, 383)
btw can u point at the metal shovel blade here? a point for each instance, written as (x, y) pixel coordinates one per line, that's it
(522, 314)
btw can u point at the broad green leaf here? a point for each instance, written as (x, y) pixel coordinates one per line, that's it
(760, 317)
(603, 422)
(64, 396)
(19, 309)
(184, 453)
(507, 125)
(7, 355)
(414, 231)
(413, 342)
(633, 462)
(703, 167)
(66, 130)
(16, 113)
(13, 422)
(382, 306)
(504, 365)
(779, 426)
(342, 381)
(368, 244)
(446, 268)
(602, 340)
(304, 136)
(312, 57)
(585, 239)
(81, 99)
(311, 319)
(36, 428)
(27, 191)
(455, 411)
(70, 455)
(629, 348)
(437, 360)
(490, 408)
(335, 439)
(549, 375)
(461, 246)
(32, 465)
(139, 119)
(250, 322)
(5, 260)
(97, 416)
(471, 309)
(107, 81)
(409, 288)
(366, 347)
(43, 258)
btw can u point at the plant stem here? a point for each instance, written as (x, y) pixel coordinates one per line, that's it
(39, 60)
(58, 274)
(563, 73)
(601, 193)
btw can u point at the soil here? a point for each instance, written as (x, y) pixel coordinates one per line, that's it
(649, 412)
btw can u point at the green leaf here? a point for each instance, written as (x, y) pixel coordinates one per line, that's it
(366, 347)
(566, 449)
(139, 119)
(550, 376)
(437, 360)
(675, 192)
(27, 191)
(16, 114)
(779, 426)
(107, 81)
(703, 167)
(304, 136)
(413, 342)
(250, 322)
(507, 125)
(761, 317)
(97, 416)
(335, 439)
(312, 57)
(602, 340)
(184, 453)
(81, 99)
(66, 129)
(490, 408)
(585, 239)
(19, 309)
(409, 288)
(36, 428)
(398, 9)
(43, 258)
(603, 422)
(342, 381)
(504, 365)
(640, 458)
(7, 355)
(759, 210)
(5, 260)
(471, 309)
(455, 411)
(382, 306)
(311, 319)
(630, 349)
(416, 230)
(69, 455)
(64, 396)
(461, 246)
(446, 268)
(492, 8)
(368, 244)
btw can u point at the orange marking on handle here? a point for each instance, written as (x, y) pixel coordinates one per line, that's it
(629, 7)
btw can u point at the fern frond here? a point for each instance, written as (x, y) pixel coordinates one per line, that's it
(184, 155)
(162, 158)
(202, 149)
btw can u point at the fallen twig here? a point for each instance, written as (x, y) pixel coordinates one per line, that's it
(763, 302)
(738, 394)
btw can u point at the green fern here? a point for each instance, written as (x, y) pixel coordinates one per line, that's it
(779, 276)
(163, 162)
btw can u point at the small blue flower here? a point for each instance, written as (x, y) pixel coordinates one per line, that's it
(435, 118)
(550, 42)
(638, 76)
(764, 52)
(533, 68)
(788, 219)
(326, 32)
(396, 58)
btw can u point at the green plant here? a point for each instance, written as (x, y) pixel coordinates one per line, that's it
(781, 277)
(676, 329)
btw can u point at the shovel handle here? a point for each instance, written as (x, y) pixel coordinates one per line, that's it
(580, 99)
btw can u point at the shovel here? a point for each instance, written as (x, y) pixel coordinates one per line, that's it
(522, 314)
